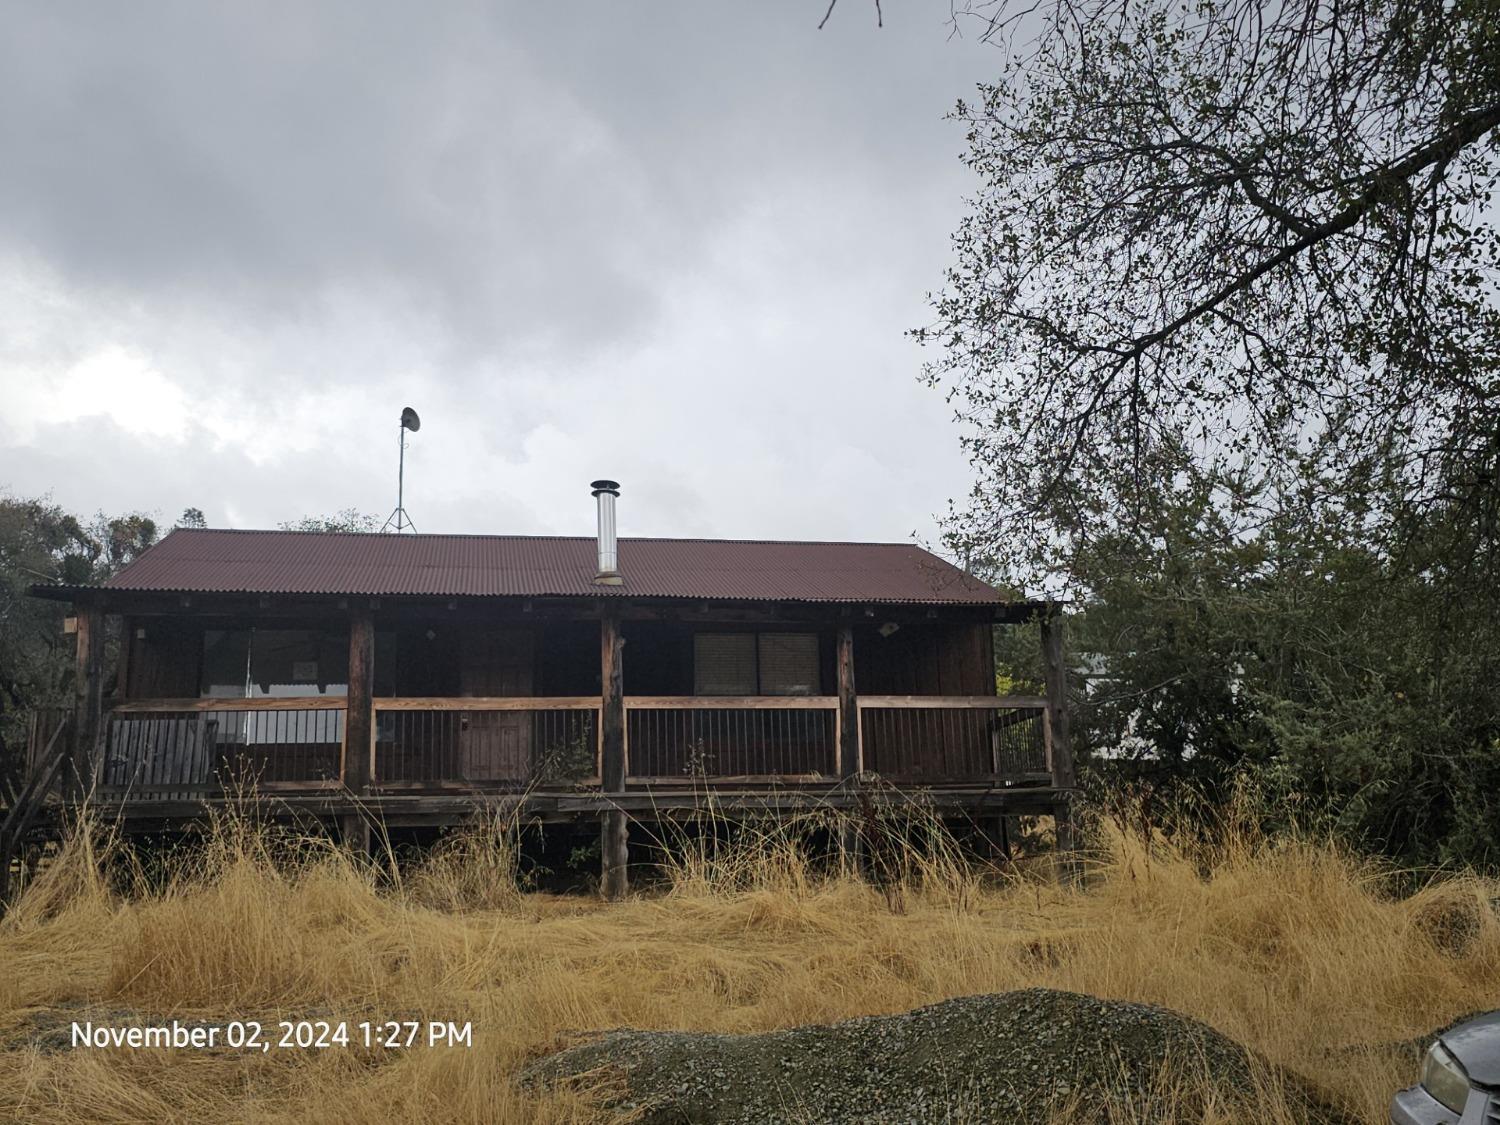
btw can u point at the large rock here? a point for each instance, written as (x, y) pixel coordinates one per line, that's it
(1002, 1058)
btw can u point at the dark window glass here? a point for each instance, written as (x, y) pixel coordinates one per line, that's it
(287, 663)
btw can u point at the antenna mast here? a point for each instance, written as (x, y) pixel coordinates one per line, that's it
(399, 521)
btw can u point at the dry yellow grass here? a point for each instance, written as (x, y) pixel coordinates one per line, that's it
(1295, 948)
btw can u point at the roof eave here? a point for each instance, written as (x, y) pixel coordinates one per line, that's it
(1013, 610)
(64, 592)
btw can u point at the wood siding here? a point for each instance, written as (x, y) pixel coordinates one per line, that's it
(925, 660)
(163, 664)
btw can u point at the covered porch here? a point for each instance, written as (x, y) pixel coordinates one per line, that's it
(557, 698)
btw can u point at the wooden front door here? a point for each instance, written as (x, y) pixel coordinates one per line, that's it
(496, 745)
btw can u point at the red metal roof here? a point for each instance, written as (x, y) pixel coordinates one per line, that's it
(301, 562)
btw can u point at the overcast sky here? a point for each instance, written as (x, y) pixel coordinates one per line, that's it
(673, 243)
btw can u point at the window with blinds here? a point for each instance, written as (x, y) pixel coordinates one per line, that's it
(788, 663)
(724, 664)
(755, 664)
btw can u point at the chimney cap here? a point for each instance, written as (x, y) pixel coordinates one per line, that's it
(610, 486)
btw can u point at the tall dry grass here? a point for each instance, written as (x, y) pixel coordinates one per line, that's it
(1295, 947)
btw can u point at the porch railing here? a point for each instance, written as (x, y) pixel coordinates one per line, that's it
(680, 738)
(163, 747)
(45, 723)
(502, 742)
(921, 740)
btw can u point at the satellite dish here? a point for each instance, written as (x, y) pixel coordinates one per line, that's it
(399, 519)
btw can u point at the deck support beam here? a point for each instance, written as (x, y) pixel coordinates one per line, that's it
(88, 697)
(359, 731)
(614, 835)
(1064, 776)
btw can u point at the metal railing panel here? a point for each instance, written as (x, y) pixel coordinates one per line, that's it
(507, 743)
(911, 740)
(731, 738)
(153, 752)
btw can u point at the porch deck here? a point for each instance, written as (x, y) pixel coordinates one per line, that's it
(176, 750)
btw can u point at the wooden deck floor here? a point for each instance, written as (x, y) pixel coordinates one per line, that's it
(436, 809)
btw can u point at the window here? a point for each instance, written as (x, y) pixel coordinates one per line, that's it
(788, 663)
(292, 662)
(755, 664)
(226, 663)
(287, 663)
(724, 664)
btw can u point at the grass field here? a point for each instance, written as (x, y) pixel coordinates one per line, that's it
(1294, 948)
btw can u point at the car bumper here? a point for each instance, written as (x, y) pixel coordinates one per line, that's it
(1417, 1107)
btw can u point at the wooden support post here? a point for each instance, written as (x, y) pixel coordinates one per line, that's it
(1063, 775)
(612, 691)
(614, 846)
(850, 756)
(849, 748)
(359, 734)
(614, 852)
(122, 671)
(88, 698)
(1001, 839)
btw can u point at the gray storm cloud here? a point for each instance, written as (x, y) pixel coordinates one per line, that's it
(661, 239)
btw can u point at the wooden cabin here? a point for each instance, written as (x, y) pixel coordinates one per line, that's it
(395, 680)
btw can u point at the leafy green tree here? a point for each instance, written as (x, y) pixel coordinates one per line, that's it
(1355, 690)
(1222, 327)
(1242, 242)
(41, 543)
(349, 519)
(119, 539)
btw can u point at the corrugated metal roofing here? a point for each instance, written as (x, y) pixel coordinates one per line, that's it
(300, 562)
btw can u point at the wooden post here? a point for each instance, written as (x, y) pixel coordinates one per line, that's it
(614, 843)
(849, 748)
(127, 642)
(850, 755)
(1002, 837)
(611, 689)
(359, 725)
(1063, 775)
(88, 697)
